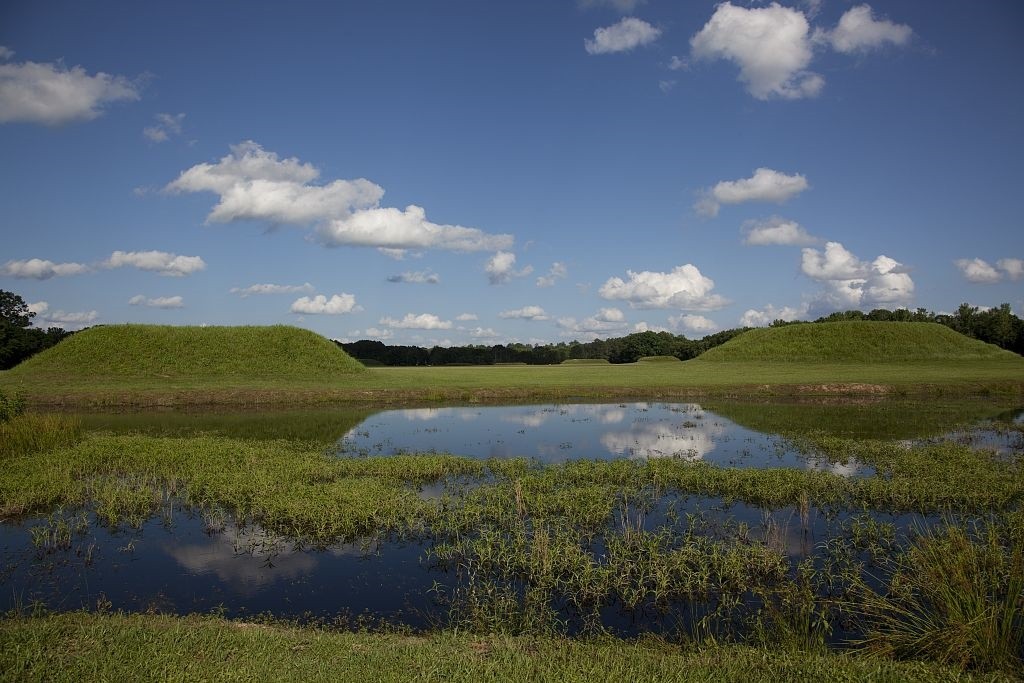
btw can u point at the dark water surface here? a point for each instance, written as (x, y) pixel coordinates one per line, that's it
(181, 563)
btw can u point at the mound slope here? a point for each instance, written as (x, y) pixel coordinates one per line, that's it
(172, 352)
(854, 341)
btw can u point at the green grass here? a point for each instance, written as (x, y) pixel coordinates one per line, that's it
(853, 342)
(80, 647)
(199, 353)
(153, 366)
(586, 361)
(658, 359)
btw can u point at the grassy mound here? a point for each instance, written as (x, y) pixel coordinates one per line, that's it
(163, 351)
(658, 359)
(585, 361)
(854, 341)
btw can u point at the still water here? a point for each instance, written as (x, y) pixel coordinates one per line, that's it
(180, 562)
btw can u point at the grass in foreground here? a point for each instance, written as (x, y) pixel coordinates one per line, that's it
(80, 646)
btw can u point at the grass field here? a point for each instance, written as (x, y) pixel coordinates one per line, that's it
(151, 366)
(79, 647)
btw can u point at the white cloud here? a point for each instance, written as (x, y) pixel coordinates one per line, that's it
(678, 64)
(338, 304)
(858, 31)
(1014, 267)
(694, 323)
(766, 185)
(392, 228)
(375, 333)
(68, 320)
(40, 269)
(52, 94)
(558, 271)
(978, 271)
(835, 263)
(768, 314)
(627, 34)
(666, 86)
(501, 268)
(525, 313)
(644, 326)
(776, 230)
(771, 45)
(416, 277)
(852, 283)
(254, 184)
(422, 321)
(166, 126)
(683, 288)
(161, 262)
(464, 317)
(6, 53)
(604, 321)
(483, 333)
(158, 302)
(272, 289)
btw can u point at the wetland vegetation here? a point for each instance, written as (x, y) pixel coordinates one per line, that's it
(858, 535)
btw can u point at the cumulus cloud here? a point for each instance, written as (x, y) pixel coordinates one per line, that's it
(271, 289)
(766, 185)
(776, 230)
(858, 31)
(52, 94)
(1013, 267)
(694, 324)
(375, 333)
(685, 288)
(978, 271)
(604, 321)
(678, 64)
(161, 262)
(254, 184)
(765, 316)
(70, 320)
(525, 313)
(422, 321)
(502, 267)
(166, 125)
(834, 263)
(557, 272)
(338, 304)
(770, 45)
(463, 317)
(158, 302)
(41, 269)
(627, 34)
(483, 333)
(419, 277)
(852, 283)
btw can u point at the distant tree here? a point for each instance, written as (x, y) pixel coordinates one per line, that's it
(13, 310)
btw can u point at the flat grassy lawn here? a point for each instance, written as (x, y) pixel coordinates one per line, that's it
(504, 383)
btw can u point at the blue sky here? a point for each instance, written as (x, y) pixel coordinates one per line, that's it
(486, 172)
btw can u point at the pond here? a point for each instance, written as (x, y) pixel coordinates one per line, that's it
(186, 560)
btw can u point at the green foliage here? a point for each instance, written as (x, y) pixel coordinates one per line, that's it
(865, 342)
(13, 310)
(11, 406)
(167, 352)
(81, 646)
(952, 599)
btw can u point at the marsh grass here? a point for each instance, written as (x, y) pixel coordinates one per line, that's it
(955, 596)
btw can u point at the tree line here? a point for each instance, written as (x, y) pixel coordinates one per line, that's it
(18, 339)
(997, 326)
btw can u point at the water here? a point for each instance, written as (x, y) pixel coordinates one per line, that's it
(181, 563)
